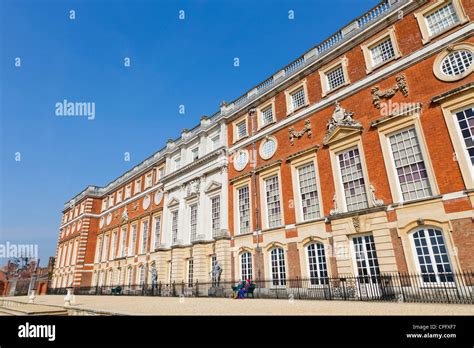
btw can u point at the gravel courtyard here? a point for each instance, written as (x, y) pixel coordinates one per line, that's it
(222, 306)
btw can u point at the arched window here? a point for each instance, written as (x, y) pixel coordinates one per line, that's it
(277, 267)
(141, 275)
(130, 274)
(318, 271)
(431, 255)
(110, 278)
(246, 266)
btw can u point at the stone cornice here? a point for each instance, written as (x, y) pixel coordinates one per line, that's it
(446, 95)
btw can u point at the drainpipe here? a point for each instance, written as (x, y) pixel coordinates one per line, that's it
(255, 194)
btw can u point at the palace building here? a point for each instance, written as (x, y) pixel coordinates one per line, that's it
(356, 158)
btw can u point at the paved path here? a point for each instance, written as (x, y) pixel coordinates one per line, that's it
(223, 306)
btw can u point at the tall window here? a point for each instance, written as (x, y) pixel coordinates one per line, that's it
(353, 181)
(123, 241)
(98, 251)
(130, 276)
(382, 51)
(133, 241)
(110, 278)
(366, 258)
(141, 275)
(267, 115)
(318, 271)
(308, 191)
(193, 222)
(138, 186)
(335, 77)
(190, 272)
(442, 19)
(157, 232)
(174, 226)
(278, 267)
(216, 141)
(465, 120)
(114, 245)
(128, 191)
(105, 249)
(246, 266)
(273, 201)
(244, 209)
(216, 215)
(144, 237)
(242, 129)
(177, 162)
(409, 164)
(298, 99)
(432, 255)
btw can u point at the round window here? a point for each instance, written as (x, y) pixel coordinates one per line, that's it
(457, 63)
(241, 159)
(146, 202)
(101, 222)
(158, 197)
(268, 148)
(109, 219)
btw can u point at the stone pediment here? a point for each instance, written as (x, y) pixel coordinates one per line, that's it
(341, 125)
(213, 186)
(341, 132)
(173, 202)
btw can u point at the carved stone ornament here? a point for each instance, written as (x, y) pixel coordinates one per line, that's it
(193, 187)
(356, 223)
(334, 211)
(401, 85)
(340, 117)
(124, 217)
(375, 201)
(297, 135)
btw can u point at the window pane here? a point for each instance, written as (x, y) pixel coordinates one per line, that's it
(410, 166)
(273, 201)
(317, 264)
(383, 51)
(441, 19)
(336, 78)
(465, 120)
(309, 192)
(366, 258)
(244, 209)
(353, 180)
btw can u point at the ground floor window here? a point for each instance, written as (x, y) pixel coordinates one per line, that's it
(318, 271)
(190, 272)
(366, 258)
(432, 255)
(246, 266)
(278, 267)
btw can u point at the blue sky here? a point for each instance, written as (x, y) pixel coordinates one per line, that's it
(173, 62)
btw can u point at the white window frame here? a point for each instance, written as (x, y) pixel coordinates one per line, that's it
(268, 104)
(236, 187)
(343, 62)
(123, 242)
(143, 249)
(275, 171)
(437, 70)
(431, 255)
(450, 107)
(296, 164)
(174, 226)
(281, 282)
(423, 25)
(318, 281)
(235, 128)
(288, 96)
(156, 235)
(368, 54)
(248, 270)
(133, 239)
(138, 186)
(128, 191)
(370, 277)
(215, 231)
